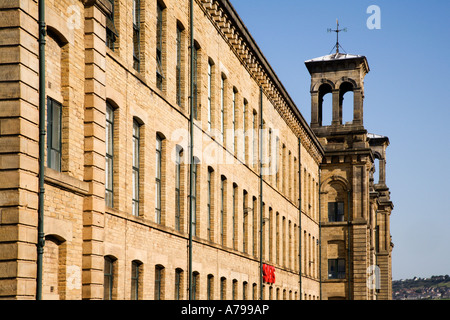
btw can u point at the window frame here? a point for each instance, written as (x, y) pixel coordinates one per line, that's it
(158, 179)
(340, 269)
(179, 43)
(109, 155)
(336, 211)
(108, 277)
(135, 280)
(136, 34)
(159, 46)
(51, 128)
(136, 168)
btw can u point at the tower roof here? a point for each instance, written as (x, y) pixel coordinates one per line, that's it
(337, 57)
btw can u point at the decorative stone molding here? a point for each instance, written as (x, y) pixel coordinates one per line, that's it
(232, 29)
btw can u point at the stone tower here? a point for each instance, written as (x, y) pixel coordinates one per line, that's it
(355, 209)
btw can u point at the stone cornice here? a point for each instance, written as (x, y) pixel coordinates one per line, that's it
(104, 5)
(230, 26)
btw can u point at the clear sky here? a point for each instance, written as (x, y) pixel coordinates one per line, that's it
(406, 98)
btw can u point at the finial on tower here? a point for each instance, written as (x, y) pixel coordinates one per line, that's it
(337, 45)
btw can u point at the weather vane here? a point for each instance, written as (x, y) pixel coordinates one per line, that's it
(337, 45)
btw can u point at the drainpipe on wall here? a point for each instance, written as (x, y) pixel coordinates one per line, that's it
(261, 196)
(191, 153)
(300, 213)
(348, 249)
(320, 236)
(41, 235)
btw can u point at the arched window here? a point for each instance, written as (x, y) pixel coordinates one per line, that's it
(346, 112)
(235, 289)
(160, 45)
(159, 282)
(136, 34)
(377, 169)
(235, 216)
(196, 81)
(325, 105)
(211, 110)
(195, 285)
(136, 167)
(223, 288)
(210, 287)
(180, 68)
(210, 204)
(110, 279)
(109, 168)
(136, 280)
(223, 210)
(179, 274)
(159, 181)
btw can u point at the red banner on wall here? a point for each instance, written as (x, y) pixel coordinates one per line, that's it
(268, 274)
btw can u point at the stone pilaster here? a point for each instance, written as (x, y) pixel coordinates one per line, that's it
(19, 151)
(94, 128)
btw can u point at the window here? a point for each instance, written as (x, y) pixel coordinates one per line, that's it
(234, 289)
(136, 150)
(269, 152)
(111, 32)
(194, 198)
(158, 180)
(108, 283)
(255, 226)
(235, 218)
(223, 288)
(135, 280)
(54, 134)
(195, 81)
(109, 192)
(223, 210)
(335, 211)
(244, 128)
(195, 285)
(210, 287)
(245, 211)
(255, 138)
(178, 284)
(277, 161)
(234, 121)
(336, 269)
(209, 204)
(159, 282)
(179, 63)
(210, 95)
(222, 106)
(244, 290)
(136, 34)
(159, 47)
(178, 189)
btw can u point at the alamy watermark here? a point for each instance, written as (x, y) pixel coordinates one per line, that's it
(373, 278)
(374, 21)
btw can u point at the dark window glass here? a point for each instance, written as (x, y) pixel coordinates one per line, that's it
(136, 34)
(109, 192)
(54, 134)
(108, 279)
(336, 269)
(335, 211)
(159, 45)
(135, 274)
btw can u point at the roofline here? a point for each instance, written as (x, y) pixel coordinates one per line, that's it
(310, 62)
(234, 16)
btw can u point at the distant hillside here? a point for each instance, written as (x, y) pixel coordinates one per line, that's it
(434, 288)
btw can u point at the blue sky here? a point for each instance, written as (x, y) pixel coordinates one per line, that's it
(406, 99)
